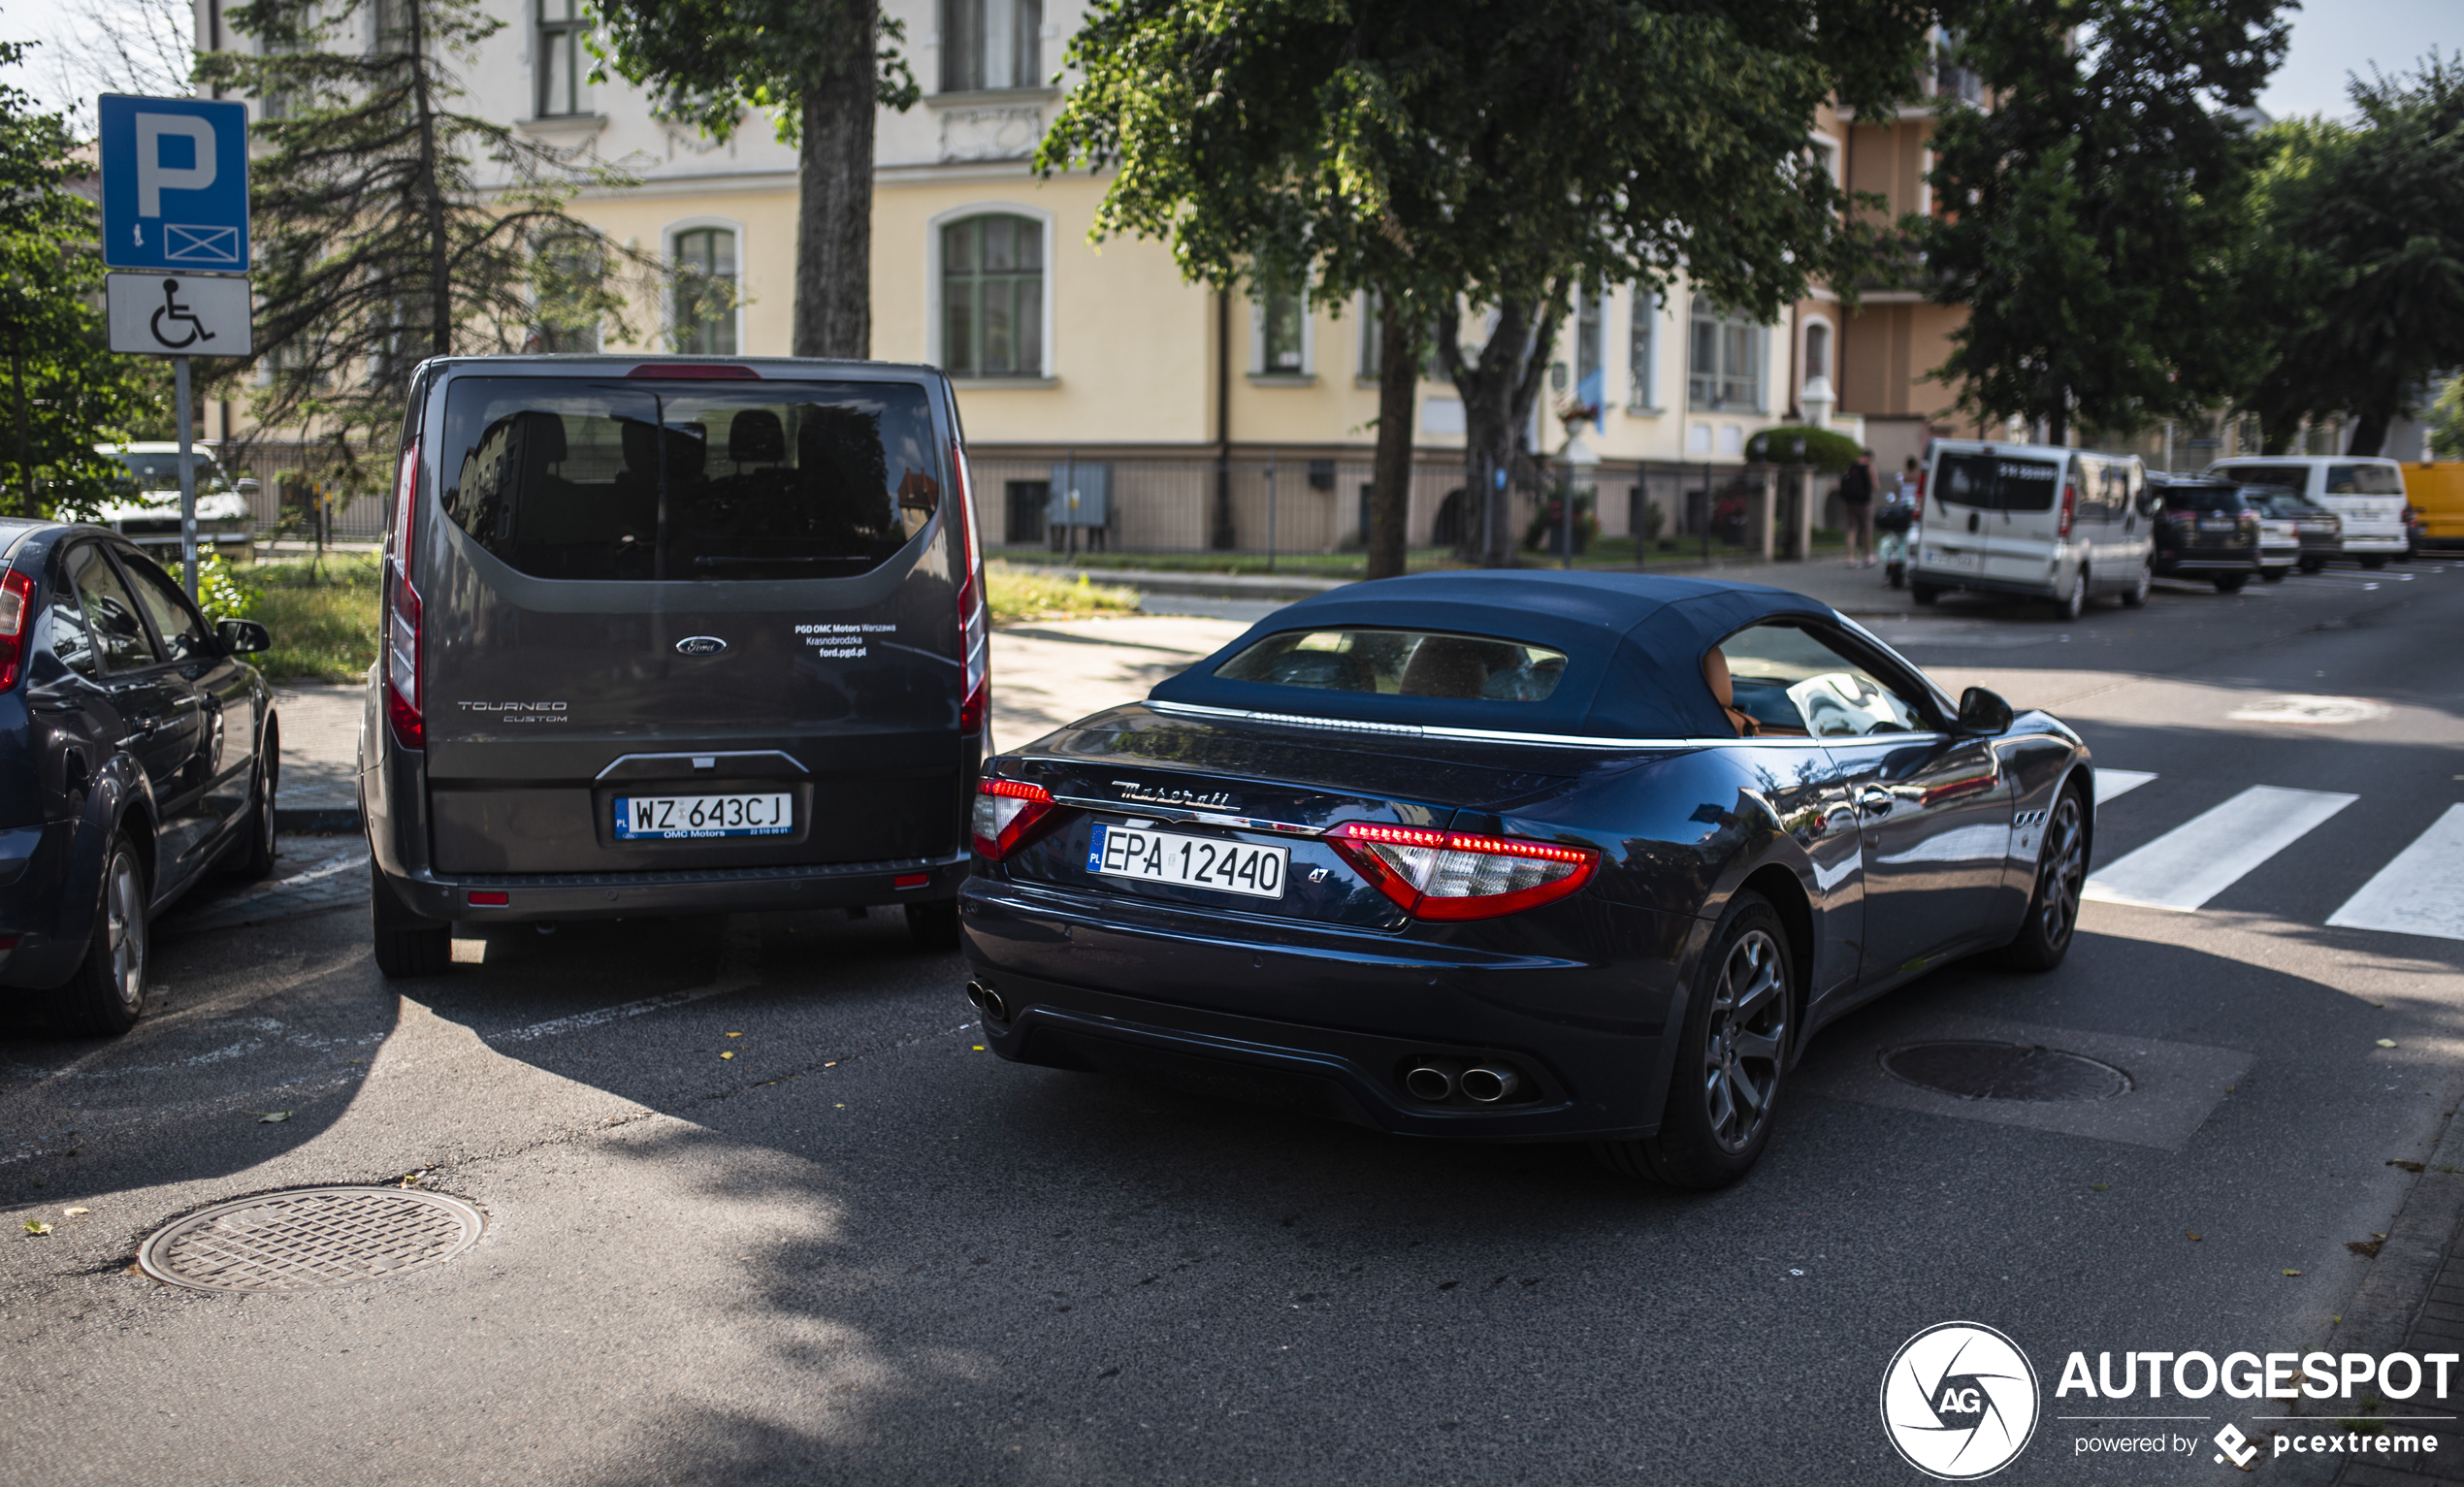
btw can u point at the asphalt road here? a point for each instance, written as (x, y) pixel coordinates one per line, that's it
(864, 1250)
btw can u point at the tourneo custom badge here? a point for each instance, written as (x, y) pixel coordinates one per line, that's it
(700, 645)
(1959, 1401)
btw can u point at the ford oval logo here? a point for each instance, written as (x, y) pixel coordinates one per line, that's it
(700, 645)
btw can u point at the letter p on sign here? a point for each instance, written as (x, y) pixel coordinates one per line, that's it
(153, 176)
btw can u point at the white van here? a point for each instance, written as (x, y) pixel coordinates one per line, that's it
(2365, 491)
(2033, 519)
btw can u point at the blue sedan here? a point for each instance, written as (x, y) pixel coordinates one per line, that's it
(1516, 855)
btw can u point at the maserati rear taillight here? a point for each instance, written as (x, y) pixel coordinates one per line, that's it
(1461, 875)
(1005, 811)
(402, 614)
(975, 640)
(16, 615)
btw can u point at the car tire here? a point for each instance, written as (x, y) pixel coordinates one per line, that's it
(408, 945)
(2273, 575)
(2375, 562)
(2229, 583)
(1732, 1049)
(253, 862)
(934, 925)
(2072, 602)
(1923, 593)
(2061, 871)
(2136, 596)
(2313, 564)
(106, 994)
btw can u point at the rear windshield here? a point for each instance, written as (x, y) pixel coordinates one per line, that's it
(2201, 498)
(1402, 662)
(1996, 484)
(603, 479)
(151, 472)
(2364, 480)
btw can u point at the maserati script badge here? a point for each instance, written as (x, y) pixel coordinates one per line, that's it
(701, 645)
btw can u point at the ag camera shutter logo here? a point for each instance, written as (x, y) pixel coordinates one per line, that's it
(1959, 1400)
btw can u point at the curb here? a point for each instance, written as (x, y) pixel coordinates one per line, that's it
(318, 820)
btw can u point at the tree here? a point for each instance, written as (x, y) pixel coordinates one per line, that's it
(66, 390)
(2361, 266)
(388, 226)
(822, 66)
(1446, 154)
(2088, 218)
(2447, 421)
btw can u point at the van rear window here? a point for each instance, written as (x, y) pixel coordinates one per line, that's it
(2364, 480)
(1994, 483)
(603, 479)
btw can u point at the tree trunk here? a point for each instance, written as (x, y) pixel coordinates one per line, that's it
(440, 243)
(1498, 391)
(2370, 427)
(835, 205)
(1390, 489)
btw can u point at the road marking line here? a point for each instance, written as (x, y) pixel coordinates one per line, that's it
(2202, 857)
(2421, 891)
(2113, 783)
(314, 873)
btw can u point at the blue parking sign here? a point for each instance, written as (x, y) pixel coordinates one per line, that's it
(175, 184)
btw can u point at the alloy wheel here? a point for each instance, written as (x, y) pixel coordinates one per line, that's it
(1746, 1036)
(2061, 866)
(124, 926)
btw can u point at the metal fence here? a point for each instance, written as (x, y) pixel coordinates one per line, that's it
(299, 489)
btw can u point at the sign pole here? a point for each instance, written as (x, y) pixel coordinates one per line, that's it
(187, 478)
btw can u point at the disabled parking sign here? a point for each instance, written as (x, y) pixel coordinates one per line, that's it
(175, 184)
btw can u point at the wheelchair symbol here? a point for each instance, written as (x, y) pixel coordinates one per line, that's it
(178, 311)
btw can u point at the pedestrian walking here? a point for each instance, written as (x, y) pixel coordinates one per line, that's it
(1855, 502)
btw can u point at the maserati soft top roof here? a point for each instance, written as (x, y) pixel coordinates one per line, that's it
(1633, 646)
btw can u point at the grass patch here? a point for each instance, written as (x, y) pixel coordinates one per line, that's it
(322, 616)
(1022, 593)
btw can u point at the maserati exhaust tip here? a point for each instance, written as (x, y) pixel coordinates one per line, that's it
(1428, 1081)
(987, 1001)
(1488, 1083)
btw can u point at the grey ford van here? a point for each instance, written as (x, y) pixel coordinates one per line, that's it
(673, 635)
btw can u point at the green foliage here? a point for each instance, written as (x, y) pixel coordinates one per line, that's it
(388, 226)
(706, 61)
(61, 389)
(1547, 530)
(322, 618)
(223, 592)
(2358, 265)
(1444, 152)
(2447, 421)
(2097, 208)
(1826, 449)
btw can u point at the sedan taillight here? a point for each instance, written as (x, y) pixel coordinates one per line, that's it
(16, 617)
(1460, 875)
(1005, 811)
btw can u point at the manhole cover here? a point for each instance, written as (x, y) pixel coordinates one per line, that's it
(310, 1238)
(2004, 1071)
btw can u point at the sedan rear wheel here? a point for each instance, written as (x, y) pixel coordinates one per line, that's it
(106, 994)
(1732, 1057)
(2061, 871)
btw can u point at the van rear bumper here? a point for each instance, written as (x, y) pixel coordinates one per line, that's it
(531, 896)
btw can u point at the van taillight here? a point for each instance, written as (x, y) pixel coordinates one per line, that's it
(16, 614)
(975, 620)
(1005, 811)
(401, 611)
(2070, 508)
(1459, 875)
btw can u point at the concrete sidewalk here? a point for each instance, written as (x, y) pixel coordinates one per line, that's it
(320, 752)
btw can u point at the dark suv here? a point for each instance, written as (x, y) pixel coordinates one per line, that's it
(136, 754)
(669, 636)
(2205, 529)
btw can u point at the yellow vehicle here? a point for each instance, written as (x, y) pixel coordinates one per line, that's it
(2436, 490)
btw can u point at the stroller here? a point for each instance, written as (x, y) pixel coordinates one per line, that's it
(1894, 522)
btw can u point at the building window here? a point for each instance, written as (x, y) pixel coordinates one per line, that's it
(1280, 349)
(992, 298)
(560, 63)
(1591, 348)
(1725, 369)
(1642, 350)
(990, 44)
(706, 292)
(1817, 350)
(571, 275)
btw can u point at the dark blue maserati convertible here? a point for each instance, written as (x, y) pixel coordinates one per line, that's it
(1516, 855)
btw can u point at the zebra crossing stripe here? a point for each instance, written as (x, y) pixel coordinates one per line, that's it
(2202, 857)
(2421, 891)
(2114, 782)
